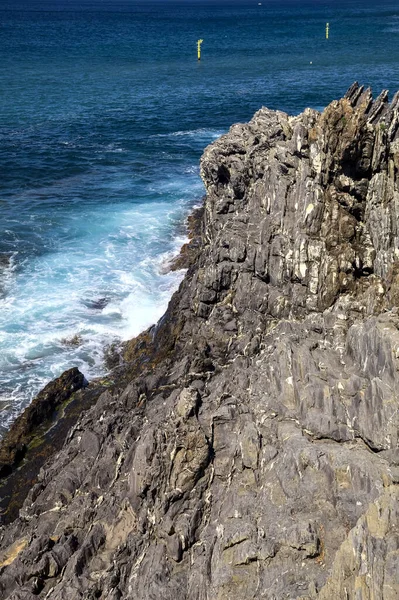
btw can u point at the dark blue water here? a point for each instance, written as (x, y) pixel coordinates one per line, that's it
(105, 112)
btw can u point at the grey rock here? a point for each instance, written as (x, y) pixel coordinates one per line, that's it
(250, 447)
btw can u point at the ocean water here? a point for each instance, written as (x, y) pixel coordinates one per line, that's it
(104, 114)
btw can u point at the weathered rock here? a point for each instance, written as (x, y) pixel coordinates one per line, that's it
(249, 447)
(14, 443)
(189, 251)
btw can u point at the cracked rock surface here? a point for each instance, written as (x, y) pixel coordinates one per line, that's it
(249, 448)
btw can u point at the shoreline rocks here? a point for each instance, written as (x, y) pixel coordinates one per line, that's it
(248, 446)
(14, 444)
(188, 252)
(39, 444)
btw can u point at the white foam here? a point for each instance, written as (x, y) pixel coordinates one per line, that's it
(117, 254)
(199, 133)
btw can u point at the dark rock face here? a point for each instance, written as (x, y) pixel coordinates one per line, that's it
(250, 447)
(189, 251)
(13, 445)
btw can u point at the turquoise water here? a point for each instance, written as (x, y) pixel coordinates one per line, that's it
(105, 112)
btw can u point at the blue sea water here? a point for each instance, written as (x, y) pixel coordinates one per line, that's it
(104, 114)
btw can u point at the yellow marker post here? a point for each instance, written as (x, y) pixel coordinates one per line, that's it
(327, 30)
(199, 48)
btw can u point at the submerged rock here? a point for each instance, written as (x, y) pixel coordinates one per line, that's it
(249, 446)
(96, 304)
(5, 260)
(74, 341)
(6, 265)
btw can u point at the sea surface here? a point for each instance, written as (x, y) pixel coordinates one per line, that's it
(104, 114)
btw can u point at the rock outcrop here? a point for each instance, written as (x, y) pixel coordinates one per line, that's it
(249, 448)
(15, 443)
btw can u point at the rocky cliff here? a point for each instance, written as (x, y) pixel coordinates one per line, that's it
(249, 445)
